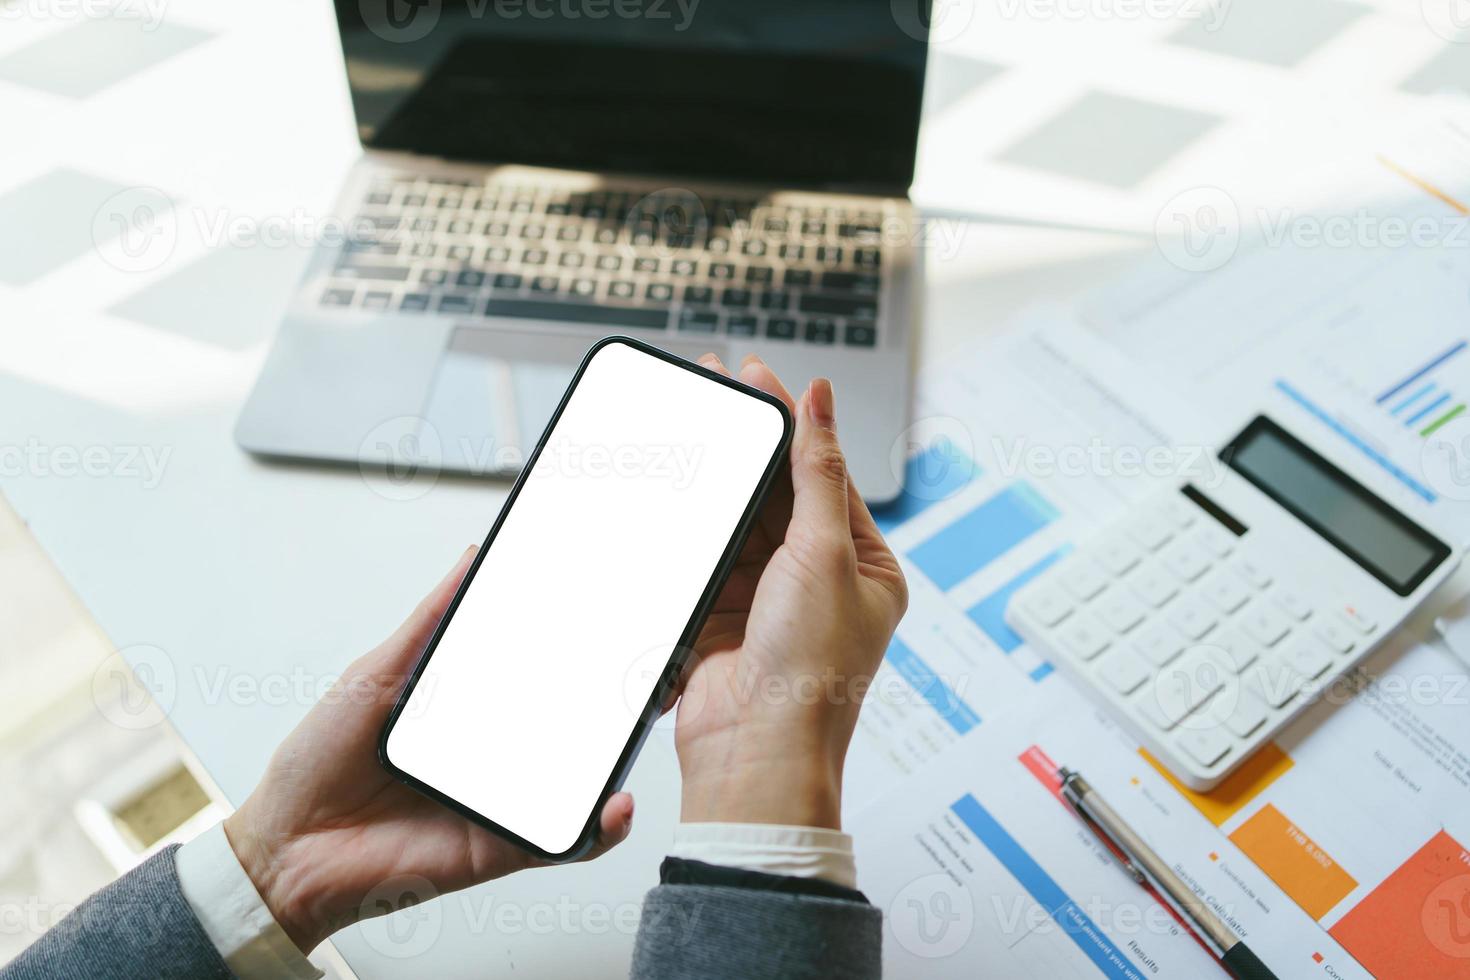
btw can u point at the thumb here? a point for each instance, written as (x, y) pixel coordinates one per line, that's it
(819, 471)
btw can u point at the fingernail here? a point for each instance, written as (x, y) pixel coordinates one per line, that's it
(751, 359)
(709, 360)
(821, 403)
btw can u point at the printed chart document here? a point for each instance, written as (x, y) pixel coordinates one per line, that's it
(1336, 852)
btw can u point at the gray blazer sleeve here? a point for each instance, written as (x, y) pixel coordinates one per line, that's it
(732, 933)
(140, 927)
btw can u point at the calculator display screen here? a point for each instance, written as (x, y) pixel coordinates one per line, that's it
(1375, 535)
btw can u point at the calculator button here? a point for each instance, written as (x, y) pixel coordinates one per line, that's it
(1119, 610)
(1264, 623)
(1249, 714)
(1206, 746)
(1181, 512)
(1216, 540)
(1307, 657)
(1192, 616)
(1147, 707)
(1049, 605)
(1240, 651)
(1150, 532)
(1083, 638)
(1154, 584)
(1187, 561)
(1159, 643)
(1356, 619)
(1336, 633)
(1227, 592)
(1294, 604)
(1189, 682)
(1123, 671)
(1117, 555)
(1274, 682)
(1083, 578)
(1252, 573)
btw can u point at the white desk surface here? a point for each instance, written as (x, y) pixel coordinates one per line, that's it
(262, 576)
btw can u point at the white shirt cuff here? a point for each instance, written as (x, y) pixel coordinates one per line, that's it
(801, 852)
(233, 914)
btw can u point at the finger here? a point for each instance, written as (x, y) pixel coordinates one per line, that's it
(756, 373)
(714, 364)
(614, 825)
(409, 640)
(819, 510)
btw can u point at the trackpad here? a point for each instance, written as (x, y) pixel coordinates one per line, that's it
(495, 390)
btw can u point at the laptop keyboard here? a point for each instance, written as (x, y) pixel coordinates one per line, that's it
(663, 261)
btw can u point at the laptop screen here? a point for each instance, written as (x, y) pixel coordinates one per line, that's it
(810, 93)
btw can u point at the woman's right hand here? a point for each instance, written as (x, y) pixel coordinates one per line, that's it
(771, 697)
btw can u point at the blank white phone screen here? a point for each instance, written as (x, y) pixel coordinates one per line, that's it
(536, 685)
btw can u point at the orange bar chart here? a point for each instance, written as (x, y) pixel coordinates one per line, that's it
(1306, 873)
(1416, 924)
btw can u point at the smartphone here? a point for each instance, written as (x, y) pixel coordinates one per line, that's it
(565, 639)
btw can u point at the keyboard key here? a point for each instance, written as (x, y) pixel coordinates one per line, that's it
(507, 280)
(338, 297)
(1119, 609)
(721, 270)
(1356, 618)
(1146, 706)
(470, 277)
(1049, 605)
(859, 335)
(758, 274)
(645, 264)
(377, 300)
(1082, 637)
(1186, 560)
(794, 253)
(799, 278)
(699, 321)
(1215, 540)
(433, 277)
(1193, 617)
(1154, 584)
(1123, 671)
(613, 316)
(830, 254)
(1159, 643)
(781, 328)
(1206, 746)
(1264, 623)
(621, 289)
(584, 288)
(1152, 533)
(857, 309)
(1237, 648)
(1226, 591)
(1307, 657)
(534, 256)
(1273, 682)
(1188, 682)
(456, 304)
(1117, 554)
(545, 284)
(742, 325)
(414, 302)
(821, 332)
(735, 297)
(1296, 607)
(698, 294)
(850, 282)
(572, 260)
(609, 263)
(1248, 714)
(659, 292)
(867, 258)
(1251, 572)
(683, 267)
(1083, 578)
(1336, 633)
(383, 273)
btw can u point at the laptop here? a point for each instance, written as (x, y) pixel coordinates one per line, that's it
(704, 175)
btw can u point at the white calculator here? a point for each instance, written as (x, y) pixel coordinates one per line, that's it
(1207, 621)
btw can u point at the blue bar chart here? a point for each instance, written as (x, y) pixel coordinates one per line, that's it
(935, 474)
(984, 534)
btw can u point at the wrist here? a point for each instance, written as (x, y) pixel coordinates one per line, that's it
(281, 885)
(786, 791)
